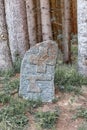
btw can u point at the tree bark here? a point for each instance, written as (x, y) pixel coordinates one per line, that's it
(66, 30)
(5, 58)
(46, 20)
(38, 22)
(82, 36)
(31, 22)
(17, 27)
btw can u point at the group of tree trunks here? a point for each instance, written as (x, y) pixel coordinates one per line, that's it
(24, 23)
(28, 22)
(21, 27)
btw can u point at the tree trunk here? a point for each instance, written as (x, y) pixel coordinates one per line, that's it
(46, 20)
(17, 27)
(82, 36)
(31, 22)
(38, 22)
(5, 58)
(66, 30)
(74, 16)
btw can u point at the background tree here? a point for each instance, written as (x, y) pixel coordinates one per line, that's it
(17, 27)
(30, 8)
(46, 20)
(66, 29)
(30, 20)
(38, 21)
(5, 58)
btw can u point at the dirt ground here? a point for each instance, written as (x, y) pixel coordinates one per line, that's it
(68, 104)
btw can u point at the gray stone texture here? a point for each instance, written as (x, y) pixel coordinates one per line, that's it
(37, 72)
(82, 36)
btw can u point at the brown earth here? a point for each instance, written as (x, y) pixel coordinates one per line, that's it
(68, 104)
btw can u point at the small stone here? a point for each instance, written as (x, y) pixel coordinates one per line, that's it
(37, 72)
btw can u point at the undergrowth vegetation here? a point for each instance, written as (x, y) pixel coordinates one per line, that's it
(17, 64)
(68, 79)
(11, 72)
(14, 115)
(47, 119)
(13, 110)
(8, 89)
(81, 113)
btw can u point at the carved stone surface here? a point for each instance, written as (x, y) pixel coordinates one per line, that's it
(82, 36)
(37, 72)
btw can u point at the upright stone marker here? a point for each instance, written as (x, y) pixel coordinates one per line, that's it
(37, 72)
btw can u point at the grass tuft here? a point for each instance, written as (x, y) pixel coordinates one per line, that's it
(47, 119)
(68, 79)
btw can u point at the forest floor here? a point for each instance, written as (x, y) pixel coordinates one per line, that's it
(68, 104)
(68, 110)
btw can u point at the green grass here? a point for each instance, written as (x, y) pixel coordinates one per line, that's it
(14, 116)
(17, 64)
(4, 98)
(14, 70)
(10, 87)
(68, 79)
(34, 104)
(74, 53)
(48, 119)
(81, 113)
(13, 113)
(7, 73)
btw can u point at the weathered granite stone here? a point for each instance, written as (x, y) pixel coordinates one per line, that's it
(37, 72)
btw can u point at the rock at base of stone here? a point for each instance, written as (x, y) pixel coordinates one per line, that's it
(37, 72)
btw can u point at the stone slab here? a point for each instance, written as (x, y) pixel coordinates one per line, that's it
(37, 72)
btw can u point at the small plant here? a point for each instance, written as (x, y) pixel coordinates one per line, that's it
(81, 113)
(74, 53)
(11, 86)
(74, 39)
(7, 73)
(4, 98)
(17, 64)
(8, 89)
(6, 125)
(47, 119)
(55, 100)
(31, 104)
